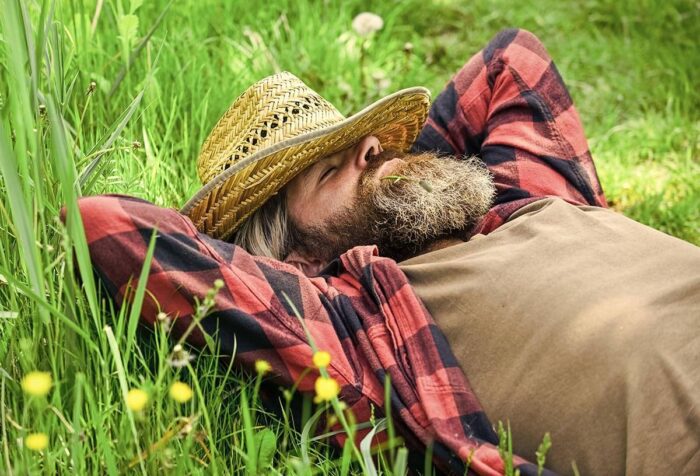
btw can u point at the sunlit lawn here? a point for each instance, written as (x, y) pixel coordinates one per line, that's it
(162, 76)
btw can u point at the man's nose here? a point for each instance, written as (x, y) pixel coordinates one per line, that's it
(368, 145)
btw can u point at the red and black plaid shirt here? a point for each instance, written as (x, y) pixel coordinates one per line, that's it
(507, 105)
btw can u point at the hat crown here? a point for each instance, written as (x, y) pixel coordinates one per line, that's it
(276, 108)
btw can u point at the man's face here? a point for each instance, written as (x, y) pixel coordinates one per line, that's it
(353, 198)
(329, 185)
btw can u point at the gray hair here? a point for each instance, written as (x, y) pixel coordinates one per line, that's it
(266, 232)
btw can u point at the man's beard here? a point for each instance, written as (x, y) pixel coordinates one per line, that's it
(423, 200)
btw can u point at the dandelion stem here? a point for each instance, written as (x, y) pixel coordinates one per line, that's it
(363, 73)
(121, 377)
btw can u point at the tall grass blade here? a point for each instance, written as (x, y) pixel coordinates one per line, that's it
(20, 101)
(3, 408)
(14, 159)
(21, 288)
(103, 441)
(401, 462)
(31, 49)
(306, 436)
(366, 447)
(89, 175)
(124, 386)
(137, 301)
(21, 217)
(251, 454)
(77, 449)
(74, 222)
(346, 458)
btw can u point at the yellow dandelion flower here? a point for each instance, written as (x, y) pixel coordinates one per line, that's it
(37, 383)
(180, 392)
(136, 399)
(36, 441)
(262, 366)
(322, 359)
(326, 389)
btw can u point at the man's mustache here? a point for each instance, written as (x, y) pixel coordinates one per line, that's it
(375, 161)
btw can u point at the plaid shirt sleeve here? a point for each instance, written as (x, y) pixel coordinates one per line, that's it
(364, 313)
(509, 106)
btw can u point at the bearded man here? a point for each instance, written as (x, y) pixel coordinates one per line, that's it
(485, 253)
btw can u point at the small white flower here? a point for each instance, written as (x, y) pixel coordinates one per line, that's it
(180, 357)
(164, 321)
(367, 23)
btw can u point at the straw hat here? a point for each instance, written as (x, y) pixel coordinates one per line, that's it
(277, 128)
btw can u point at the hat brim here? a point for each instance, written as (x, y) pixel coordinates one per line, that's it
(222, 204)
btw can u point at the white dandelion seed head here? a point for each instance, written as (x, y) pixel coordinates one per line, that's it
(367, 23)
(179, 358)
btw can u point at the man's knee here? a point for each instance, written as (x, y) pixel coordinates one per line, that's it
(506, 37)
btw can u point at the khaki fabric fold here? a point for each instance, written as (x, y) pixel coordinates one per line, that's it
(581, 322)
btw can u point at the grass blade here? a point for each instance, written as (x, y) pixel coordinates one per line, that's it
(47, 307)
(366, 447)
(74, 222)
(124, 386)
(137, 301)
(21, 217)
(90, 174)
(401, 462)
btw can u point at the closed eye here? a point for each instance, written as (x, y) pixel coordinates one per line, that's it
(326, 174)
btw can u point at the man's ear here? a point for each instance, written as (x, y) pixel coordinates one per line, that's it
(309, 266)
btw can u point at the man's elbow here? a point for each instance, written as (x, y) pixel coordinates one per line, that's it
(101, 215)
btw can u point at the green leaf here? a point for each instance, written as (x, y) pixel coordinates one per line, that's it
(366, 447)
(266, 443)
(128, 26)
(135, 53)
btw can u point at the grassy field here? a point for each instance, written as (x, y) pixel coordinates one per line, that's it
(117, 96)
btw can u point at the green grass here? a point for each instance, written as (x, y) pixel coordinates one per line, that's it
(163, 75)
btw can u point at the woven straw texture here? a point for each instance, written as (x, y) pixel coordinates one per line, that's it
(275, 129)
